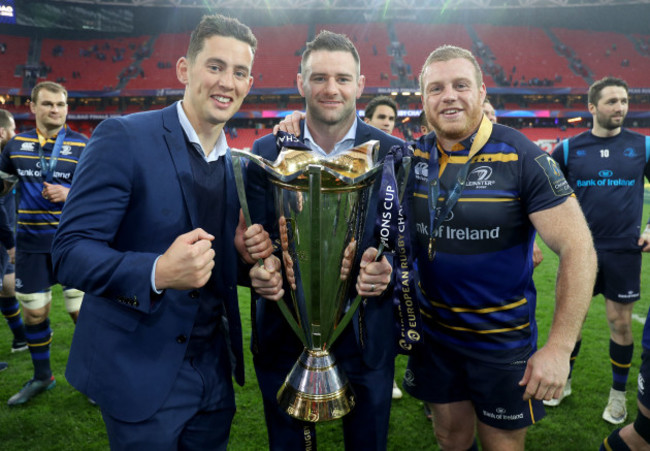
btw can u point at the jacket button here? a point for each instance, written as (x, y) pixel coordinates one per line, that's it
(194, 294)
(181, 339)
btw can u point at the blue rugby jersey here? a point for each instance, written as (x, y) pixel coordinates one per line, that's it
(477, 295)
(38, 218)
(607, 176)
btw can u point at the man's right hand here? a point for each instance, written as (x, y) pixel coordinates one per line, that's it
(188, 262)
(267, 279)
(290, 124)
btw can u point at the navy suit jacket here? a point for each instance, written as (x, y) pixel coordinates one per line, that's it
(276, 340)
(132, 196)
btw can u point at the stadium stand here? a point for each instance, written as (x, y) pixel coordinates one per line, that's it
(90, 65)
(605, 53)
(372, 42)
(512, 47)
(14, 56)
(419, 39)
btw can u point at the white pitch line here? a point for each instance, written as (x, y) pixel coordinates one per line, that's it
(638, 318)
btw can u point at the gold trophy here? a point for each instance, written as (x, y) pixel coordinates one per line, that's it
(321, 206)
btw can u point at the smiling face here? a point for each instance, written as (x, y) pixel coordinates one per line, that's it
(330, 84)
(216, 81)
(610, 111)
(452, 99)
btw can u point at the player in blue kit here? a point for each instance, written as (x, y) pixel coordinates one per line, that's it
(636, 436)
(42, 162)
(479, 191)
(8, 304)
(605, 166)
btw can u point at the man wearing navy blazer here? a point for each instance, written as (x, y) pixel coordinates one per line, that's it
(149, 233)
(330, 81)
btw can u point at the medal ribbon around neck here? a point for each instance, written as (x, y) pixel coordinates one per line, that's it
(436, 218)
(47, 169)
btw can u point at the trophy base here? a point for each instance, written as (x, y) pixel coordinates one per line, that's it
(316, 389)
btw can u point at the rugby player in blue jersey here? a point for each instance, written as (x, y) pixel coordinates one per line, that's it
(605, 167)
(479, 191)
(8, 304)
(42, 162)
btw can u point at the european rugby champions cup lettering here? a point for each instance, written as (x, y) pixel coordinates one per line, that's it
(321, 206)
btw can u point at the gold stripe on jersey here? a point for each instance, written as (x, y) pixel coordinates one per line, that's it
(485, 332)
(473, 199)
(35, 140)
(30, 157)
(510, 306)
(38, 223)
(39, 212)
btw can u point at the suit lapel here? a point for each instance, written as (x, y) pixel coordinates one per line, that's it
(177, 147)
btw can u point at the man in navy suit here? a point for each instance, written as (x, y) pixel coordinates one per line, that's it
(330, 81)
(149, 233)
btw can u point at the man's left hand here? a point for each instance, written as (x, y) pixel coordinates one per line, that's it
(374, 277)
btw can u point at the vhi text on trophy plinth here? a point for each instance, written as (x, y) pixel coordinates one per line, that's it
(321, 206)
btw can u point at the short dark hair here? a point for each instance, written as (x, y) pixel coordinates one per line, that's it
(48, 86)
(5, 118)
(424, 122)
(218, 25)
(597, 87)
(332, 42)
(377, 101)
(450, 52)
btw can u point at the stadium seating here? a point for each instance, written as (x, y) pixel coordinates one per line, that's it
(604, 52)
(84, 57)
(530, 53)
(372, 42)
(15, 54)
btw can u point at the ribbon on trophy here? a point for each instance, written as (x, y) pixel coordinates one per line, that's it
(288, 140)
(391, 227)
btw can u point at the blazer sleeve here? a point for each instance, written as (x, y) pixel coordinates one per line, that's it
(83, 252)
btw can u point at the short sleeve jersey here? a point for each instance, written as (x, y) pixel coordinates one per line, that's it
(38, 218)
(477, 293)
(607, 176)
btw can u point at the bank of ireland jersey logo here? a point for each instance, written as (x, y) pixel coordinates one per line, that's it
(605, 173)
(480, 178)
(422, 171)
(553, 173)
(27, 147)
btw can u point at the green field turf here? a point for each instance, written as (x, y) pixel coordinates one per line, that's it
(64, 419)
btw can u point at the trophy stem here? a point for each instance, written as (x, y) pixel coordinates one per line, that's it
(316, 389)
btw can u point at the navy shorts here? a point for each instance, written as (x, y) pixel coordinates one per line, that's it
(643, 393)
(443, 376)
(34, 272)
(619, 276)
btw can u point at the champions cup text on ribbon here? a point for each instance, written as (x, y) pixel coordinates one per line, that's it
(391, 229)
